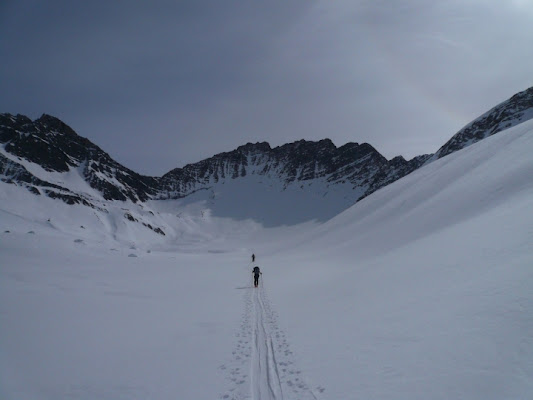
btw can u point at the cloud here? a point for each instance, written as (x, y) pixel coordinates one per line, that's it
(165, 83)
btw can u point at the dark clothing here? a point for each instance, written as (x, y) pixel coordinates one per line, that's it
(253, 257)
(256, 273)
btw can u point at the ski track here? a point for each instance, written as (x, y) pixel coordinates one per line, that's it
(263, 366)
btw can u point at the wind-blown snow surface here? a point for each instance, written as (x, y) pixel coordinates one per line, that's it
(423, 290)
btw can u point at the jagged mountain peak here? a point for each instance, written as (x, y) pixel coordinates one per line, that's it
(45, 125)
(57, 148)
(259, 147)
(54, 124)
(352, 171)
(317, 175)
(47, 141)
(335, 177)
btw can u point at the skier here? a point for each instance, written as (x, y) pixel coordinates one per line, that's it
(253, 257)
(256, 273)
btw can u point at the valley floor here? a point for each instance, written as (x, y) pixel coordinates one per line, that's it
(423, 290)
(85, 322)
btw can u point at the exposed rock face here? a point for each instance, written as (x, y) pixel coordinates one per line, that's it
(511, 112)
(39, 155)
(55, 147)
(359, 165)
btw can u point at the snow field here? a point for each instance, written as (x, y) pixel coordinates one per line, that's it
(422, 293)
(423, 290)
(91, 323)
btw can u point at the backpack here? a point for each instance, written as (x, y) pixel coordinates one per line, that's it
(256, 271)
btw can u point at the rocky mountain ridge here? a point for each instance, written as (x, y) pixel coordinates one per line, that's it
(359, 165)
(55, 147)
(40, 155)
(511, 112)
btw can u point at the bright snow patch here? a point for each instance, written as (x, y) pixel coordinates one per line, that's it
(423, 290)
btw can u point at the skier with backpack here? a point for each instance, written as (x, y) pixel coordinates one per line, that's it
(256, 271)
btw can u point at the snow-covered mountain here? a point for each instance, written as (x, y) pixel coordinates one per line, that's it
(422, 290)
(315, 180)
(511, 112)
(43, 154)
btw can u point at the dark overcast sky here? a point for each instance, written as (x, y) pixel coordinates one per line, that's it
(159, 84)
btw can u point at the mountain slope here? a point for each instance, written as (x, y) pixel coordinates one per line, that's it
(293, 163)
(293, 183)
(316, 179)
(460, 187)
(54, 147)
(422, 290)
(511, 112)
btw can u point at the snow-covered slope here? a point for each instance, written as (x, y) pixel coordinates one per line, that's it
(47, 157)
(511, 112)
(294, 183)
(316, 180)
(424, 289)
(289, 184)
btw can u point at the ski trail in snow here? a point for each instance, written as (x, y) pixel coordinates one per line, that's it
(266, 383)
(263, 366)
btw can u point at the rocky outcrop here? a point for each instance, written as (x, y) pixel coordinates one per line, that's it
(55, 147)
(359, 165)
(505, 115)
(343, 174)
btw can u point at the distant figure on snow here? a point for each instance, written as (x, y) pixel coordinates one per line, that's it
(253, 257)
(256, 273)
